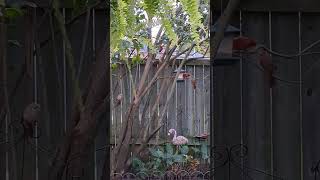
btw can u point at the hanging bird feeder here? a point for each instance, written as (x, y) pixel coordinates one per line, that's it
(202, 136)
(225, 48)
(183, 75)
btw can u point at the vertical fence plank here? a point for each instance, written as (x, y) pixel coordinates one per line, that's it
(4, 34)
(206, 98)
(50, 112)
(256, 98)
(286, 124)
(166, 75)
(199, 99)
(226, 115)
(180, 106)
(310, 76)
(190, 103)
(100, 34)
(23, 160)
(172, 119)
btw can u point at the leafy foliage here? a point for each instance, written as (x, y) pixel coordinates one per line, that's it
(151, 7)
(132, 21)
(12, 13)
(195, 17)
(164, 158)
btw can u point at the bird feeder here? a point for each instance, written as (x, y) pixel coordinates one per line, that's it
(225, 48)
(183, 75)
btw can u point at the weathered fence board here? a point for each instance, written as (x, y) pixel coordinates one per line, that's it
(186, 110)
(256, 98)
(310, 94)
(286, 123)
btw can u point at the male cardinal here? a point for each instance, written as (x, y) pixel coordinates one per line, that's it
(186, 76)
(266, 63)
(30, 117)
(243, 43)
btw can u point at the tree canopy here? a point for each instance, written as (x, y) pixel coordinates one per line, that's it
(178, 22)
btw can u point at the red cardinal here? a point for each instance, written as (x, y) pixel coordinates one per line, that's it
(186, 76)
(266, 63)
(243, 43)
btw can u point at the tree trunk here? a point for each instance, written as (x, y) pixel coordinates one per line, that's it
(71, 155)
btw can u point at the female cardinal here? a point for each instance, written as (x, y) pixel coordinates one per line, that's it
(266, 63)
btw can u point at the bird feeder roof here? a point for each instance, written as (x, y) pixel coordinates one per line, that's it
(181, 71)
(229, 29)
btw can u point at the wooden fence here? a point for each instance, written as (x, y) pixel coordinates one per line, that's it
(188, 110)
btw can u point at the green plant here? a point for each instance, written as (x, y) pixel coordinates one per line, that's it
(201, 152)
(12, 13)
(168, 157)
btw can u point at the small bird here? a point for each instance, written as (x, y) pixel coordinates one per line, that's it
(118, 99)
(243, 43)
(266, 63)
(194, 84)
(161, 48)
(30, 117)
(177, 140)
(186, 76)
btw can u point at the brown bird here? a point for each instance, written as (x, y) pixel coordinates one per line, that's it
(118, 99)
(194, 84)
(31, 115)
(266, 63)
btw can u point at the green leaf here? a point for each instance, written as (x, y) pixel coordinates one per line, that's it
(156, 153)
(138, 165)
(136, 59)
(184, 150)
(12, 13)
(169, 149)
(178, 158)
(204, 151)
(169, 162)
(14, 43)
(195, 150)
(151, 7)
(157, 163)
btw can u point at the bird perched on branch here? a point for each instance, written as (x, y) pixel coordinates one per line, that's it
(30, 117)
(266, 63)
